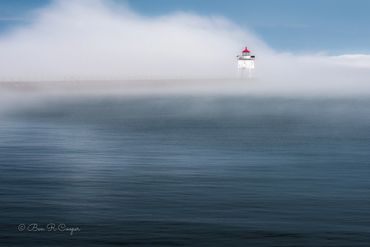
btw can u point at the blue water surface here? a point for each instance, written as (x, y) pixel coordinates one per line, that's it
(186, 171)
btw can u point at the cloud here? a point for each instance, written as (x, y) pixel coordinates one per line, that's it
(97, 39)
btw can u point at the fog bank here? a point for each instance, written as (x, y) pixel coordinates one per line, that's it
(100, 40)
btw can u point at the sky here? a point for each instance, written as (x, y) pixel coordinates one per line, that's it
(321, 46)
(328, 26)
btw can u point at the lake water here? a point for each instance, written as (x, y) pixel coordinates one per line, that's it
(186, 171)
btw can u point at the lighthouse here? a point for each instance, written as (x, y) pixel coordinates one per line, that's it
(246, 62)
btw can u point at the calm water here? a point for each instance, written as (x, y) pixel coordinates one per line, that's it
(186, 171)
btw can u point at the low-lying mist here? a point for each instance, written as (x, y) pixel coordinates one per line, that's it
(100, 41)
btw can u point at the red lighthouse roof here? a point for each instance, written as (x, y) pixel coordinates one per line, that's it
(246, 50)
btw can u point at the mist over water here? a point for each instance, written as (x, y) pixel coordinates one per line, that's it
(100, 41)
(138, 131)
(95, 40)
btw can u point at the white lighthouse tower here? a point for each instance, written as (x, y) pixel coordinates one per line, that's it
(246, 63)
